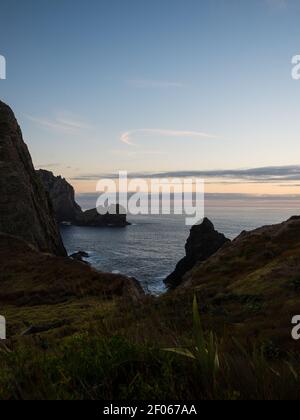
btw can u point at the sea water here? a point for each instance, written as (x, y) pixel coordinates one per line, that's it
(150, 248)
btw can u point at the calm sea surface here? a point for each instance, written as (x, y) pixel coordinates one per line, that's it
(150, 248)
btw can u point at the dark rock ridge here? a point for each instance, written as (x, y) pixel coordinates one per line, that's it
(79, 256)
(66, 209)
(252, 284)
(62, 195)
(259, 261)
(25, 208)
(203, 242)
(93, 218)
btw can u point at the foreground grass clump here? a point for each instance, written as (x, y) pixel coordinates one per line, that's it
(205, 352)
(90, 367)
(96, 366)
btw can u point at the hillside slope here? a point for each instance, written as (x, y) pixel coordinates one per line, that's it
(40, 288)
(253, 283)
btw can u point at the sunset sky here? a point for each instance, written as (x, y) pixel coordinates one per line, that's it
(163, 86)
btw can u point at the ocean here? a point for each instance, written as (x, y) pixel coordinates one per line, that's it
(150, 248)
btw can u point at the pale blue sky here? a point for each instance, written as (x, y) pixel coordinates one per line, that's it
(161, 85)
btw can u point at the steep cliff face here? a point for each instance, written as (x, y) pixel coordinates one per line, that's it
(62, 196)
(203, 242)
(253, 283)
(67, 210)
(25, 208)
(260, 261)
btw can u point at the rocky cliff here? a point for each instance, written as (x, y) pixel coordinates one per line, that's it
(62, 196)
(66, 209)
(25, 208)
(203, 242)
(253, 261)
(252, 284)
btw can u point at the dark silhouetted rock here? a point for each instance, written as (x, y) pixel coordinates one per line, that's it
(203, 242)
(62, 196)
(68, 211)
(79, 256)
(25, 208)
(93, 218)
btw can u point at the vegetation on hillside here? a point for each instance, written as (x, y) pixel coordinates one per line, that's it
(98, 364)
(74, 333)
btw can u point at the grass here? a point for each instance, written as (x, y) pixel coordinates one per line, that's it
(296, 283)
(98, 364)
(204, 352)
(100, 341)
(94, 367)
(74, 313)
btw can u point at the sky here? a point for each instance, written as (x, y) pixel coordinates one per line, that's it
(161, 86)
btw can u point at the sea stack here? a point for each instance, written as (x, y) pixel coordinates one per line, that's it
(203, 242)
(62, 196)
(66, 209)
(25, 207)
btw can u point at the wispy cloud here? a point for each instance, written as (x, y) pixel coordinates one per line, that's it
(62, 123)
(128, 136)
(266, 174)
(154, 84)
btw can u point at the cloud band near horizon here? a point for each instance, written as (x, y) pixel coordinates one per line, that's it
(259, 175)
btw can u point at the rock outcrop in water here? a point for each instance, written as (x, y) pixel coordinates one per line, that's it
(25, 208)
(203, 242)
(66, 209)
(94, 219)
